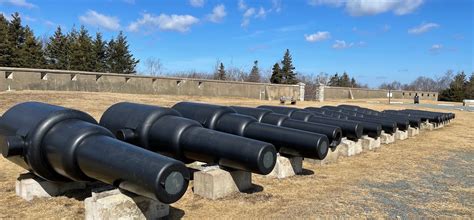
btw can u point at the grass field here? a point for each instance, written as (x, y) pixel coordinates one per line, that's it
(430, 175)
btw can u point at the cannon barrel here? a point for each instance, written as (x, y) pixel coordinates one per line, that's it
(63, 145)
(333, 133)
(423, 117)
(350, 129)
(370, 129)
(165, 131)
(444, 116)
(401, 124)
(400, 118)
(225, 119)
(389, 126)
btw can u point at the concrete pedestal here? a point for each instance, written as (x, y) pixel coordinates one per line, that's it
(214, 183)
(286, 167)
(369, 143)
(29, 186)
(401, 135)
(114, 204)
(332, 157)
(349, 148)
(387, 138)
(438, 126)
(413, 131)
(427, 126)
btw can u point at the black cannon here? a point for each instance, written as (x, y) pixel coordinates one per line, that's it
(389, 125)
(225, 119)
(413, 121)
(63, 145)
(164, 130)
(350, 129)
(333, 133)
(369, 128)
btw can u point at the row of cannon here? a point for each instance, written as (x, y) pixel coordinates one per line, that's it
(143, 149)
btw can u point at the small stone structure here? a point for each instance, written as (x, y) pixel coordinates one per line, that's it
(413, 131)
(212, 182)
(401, 135)
(387, 138)
(349, 148)
(286, 167)
(29, 186)
(369, 143)
(115, 204)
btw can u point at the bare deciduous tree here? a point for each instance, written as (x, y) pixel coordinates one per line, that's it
(153, 66)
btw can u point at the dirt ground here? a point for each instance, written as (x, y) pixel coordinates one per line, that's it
(430, 175)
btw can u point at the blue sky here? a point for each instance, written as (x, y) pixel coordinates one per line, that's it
(374, 41)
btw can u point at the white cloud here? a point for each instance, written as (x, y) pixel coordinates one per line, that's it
(246, 17)
(252, 12)
(19, 3)
(436, 48)
(197, 3)
(422, 28)
(318, 36)
(340, 44)
(180, 23)
(218, 14)
(372, 7)
(96, 19)
(242, 5)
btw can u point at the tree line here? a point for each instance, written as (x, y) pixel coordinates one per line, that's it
(75, 50)
(450, 86)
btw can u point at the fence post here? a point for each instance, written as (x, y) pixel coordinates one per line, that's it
(321, 92)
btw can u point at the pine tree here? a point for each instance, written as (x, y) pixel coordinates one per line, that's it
(33, 55)
(334, 80)
(344, 81)
(57, 50)
(5, 46)
(289, 76)
(119, 58)
(16, 38)
(353, 83)
(254, 75)
(277, 77)
(220, 74)
(470, 87)
(82, 56)
(100, 53)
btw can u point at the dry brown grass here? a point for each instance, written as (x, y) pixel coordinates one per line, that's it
(429, 175)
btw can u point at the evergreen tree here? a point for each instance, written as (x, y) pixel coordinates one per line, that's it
(289, 76)
(16, 34)
(457, 89)
(353, 83)
(344, 81)
(277, 77)
(5, 46)
(470, 87)
(33, 55)
(334, 80)
(254, 75)
(220, 74)
(57, 50)
(119, 58)
(100, 53)
(82, 55)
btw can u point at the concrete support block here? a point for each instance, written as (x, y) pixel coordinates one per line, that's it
(214, 183)
(349, 148)
(286, 167)
(369, 143)
(332, 157)
(114, 204)
(438, 126)
(427, 126)
(401, 135)
(387, 138)
(413, 131)
(29, 186)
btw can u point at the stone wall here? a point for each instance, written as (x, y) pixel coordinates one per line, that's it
(328, 92)
(58, 80)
